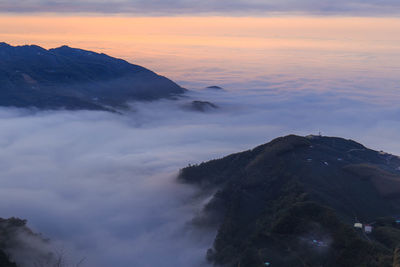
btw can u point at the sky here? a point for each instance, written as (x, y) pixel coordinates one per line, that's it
(206, 7)
(237, 53)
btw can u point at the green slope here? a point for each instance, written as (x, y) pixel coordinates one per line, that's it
(273, 201)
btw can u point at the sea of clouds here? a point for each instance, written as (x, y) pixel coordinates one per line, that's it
(103, 186)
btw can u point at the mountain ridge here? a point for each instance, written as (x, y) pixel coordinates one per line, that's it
(273, 201)
(73, 78)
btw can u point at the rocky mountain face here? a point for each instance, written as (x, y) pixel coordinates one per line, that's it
(64, 77)
(295, 200)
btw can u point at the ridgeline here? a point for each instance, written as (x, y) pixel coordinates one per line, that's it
(294, 202)
(70, 78)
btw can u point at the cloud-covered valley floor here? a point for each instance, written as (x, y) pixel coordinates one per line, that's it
(102, 186)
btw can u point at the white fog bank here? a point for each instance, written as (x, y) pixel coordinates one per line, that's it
(103, 187)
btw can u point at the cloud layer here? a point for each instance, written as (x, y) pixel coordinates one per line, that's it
(181, 7)
(103, 185)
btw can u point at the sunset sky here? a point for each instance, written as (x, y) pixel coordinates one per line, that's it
(239, 43)
(236, 52)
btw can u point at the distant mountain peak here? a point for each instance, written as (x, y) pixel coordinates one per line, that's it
(215, 87)
(64, 47)
(71, 78)
(3, 44)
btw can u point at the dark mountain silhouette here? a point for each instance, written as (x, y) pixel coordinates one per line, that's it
(20, 246)
(5, 260)
(11, 232)
(294, 202)
(214, 87)
(64, 77)
(201, 106)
